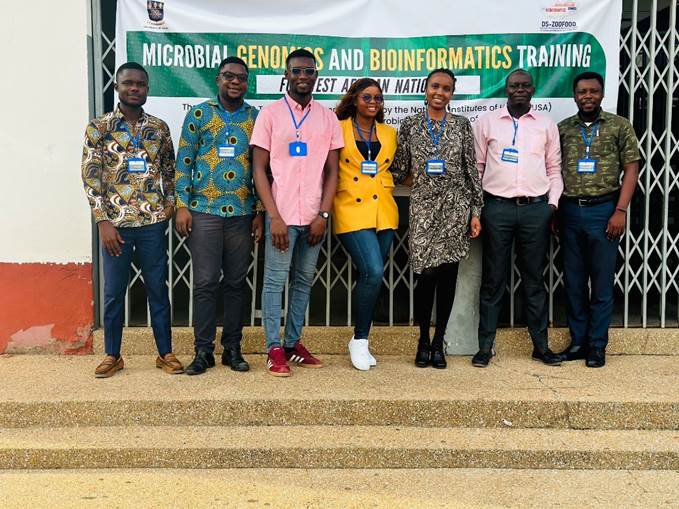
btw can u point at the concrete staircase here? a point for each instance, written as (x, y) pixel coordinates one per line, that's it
(616, 427)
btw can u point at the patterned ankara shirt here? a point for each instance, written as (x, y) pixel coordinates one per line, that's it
(614, 146)
(128, 199)
(206, 182)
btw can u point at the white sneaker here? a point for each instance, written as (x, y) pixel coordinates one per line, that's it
(360, 355)
(373, 361)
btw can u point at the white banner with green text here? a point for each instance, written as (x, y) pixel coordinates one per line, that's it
(397, 42)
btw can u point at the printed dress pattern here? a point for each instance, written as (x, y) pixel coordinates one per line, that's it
(441, 206)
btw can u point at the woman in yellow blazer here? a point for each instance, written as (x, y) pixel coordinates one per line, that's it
(365, 215)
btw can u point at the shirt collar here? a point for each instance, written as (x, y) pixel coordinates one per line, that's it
(504, 112)
(119, 114)
(217, 104)
(295, 105)
(600, 118)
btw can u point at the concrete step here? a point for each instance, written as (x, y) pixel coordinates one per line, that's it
(346, 488)
(400, 340)
(631, 392)
(335, 447)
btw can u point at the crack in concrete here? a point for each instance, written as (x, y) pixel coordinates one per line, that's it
(566, 407)
(540, 379)
(636, 482)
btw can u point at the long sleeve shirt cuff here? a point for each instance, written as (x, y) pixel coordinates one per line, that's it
(99, 215)
(554, 198)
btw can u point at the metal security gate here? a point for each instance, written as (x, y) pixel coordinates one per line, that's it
(647, 279)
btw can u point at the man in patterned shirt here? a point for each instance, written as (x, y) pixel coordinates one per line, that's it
(217, 211)
(128, 173)
(596, 148)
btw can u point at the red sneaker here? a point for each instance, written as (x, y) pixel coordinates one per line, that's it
(302, 357)
(275, 362)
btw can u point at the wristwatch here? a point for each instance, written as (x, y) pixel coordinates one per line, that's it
(324, 215)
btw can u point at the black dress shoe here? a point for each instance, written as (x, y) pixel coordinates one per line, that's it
(200, 363)
(573, 353)
(423, 354)
(548, 357)
(233, 358)
(481, 359)
(438, 358)
(596, 358)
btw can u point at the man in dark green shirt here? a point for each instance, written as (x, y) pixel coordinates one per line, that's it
(596, 147)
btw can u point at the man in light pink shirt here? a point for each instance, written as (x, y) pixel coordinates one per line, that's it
(299, 139)
(519, 160)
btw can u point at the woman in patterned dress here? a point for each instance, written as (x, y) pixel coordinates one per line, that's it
(437, 149)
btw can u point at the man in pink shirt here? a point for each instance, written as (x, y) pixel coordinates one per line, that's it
(519, 160)
(299, 140)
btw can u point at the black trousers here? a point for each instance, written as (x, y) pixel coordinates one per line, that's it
(219, 245)
(503, 223)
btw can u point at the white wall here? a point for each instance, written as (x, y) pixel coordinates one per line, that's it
(44, 215)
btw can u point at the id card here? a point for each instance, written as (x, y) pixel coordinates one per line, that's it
(226, 151)
(369, 167)
(510, 155)
(298, 149)
(586, 165)
(136, 165)
(435, 167)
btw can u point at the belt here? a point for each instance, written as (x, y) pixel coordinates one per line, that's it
(588, 201)
(518, 200)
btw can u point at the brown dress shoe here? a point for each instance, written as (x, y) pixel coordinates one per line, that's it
(170, 364)
(109, 367)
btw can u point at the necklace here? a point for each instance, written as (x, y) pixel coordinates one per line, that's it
(364, 130)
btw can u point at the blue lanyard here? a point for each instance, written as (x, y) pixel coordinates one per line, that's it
(292, 115)
(516, 128)
(227, 116)
(588, 140)
(133, 139)
(435, 138)
(369, 140)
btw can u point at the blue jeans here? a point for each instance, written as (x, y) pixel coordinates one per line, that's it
(368, 250)
(588, 255)
(149, 245)
(299, 261)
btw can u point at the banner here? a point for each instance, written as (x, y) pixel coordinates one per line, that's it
(397, 42)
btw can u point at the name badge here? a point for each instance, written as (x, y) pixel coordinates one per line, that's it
(136, 165)
(298, 149)
(510, 155)
(435, 167)
(226, 151)
(369, 167)
(586, 166)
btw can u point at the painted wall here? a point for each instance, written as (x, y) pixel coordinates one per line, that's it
(45, 232)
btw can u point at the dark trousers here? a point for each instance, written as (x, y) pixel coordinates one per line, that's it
(368, 249)
(148, 245)
(504, 222)
(441, 280)
(588, 256)
(219, 245)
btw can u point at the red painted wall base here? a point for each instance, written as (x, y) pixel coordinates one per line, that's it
(46, 308)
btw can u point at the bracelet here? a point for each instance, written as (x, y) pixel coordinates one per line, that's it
(624, 211)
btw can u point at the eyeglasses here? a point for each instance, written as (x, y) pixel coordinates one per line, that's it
(367, 98)
(516, 86)
(228, 76)
(308, 71)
